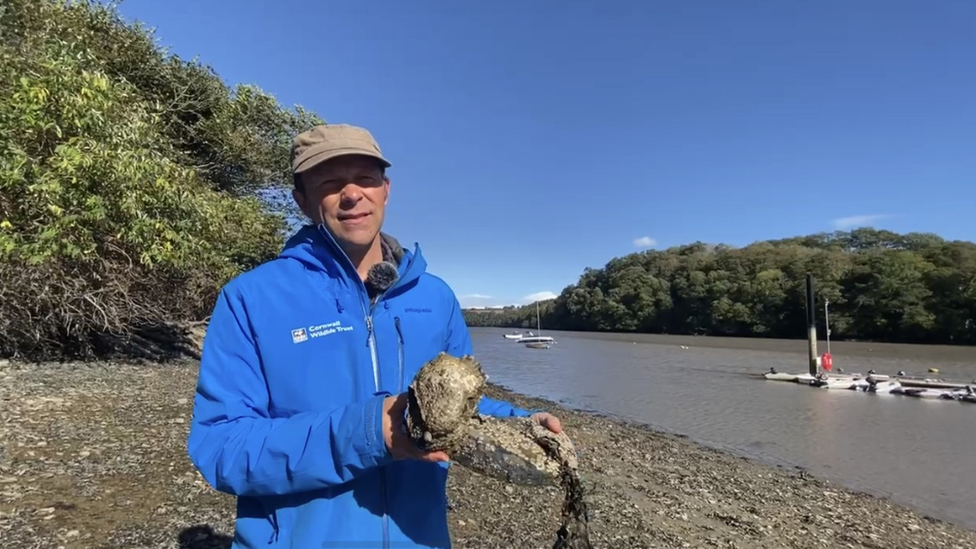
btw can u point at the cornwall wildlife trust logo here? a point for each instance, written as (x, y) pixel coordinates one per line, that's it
(299, 335)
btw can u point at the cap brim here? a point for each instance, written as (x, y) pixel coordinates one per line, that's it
(317, 158)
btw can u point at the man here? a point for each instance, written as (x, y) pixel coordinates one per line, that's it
(301, 395)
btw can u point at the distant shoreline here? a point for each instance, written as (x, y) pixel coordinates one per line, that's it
(925, 351)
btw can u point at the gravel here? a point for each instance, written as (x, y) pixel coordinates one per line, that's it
(94, 456)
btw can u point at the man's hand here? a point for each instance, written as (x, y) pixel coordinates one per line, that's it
(396, 438)
(548, 421)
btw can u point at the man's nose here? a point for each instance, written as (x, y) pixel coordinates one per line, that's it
(351, 193)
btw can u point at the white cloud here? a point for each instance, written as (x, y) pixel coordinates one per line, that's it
(481, 301)
(644, 242)
(855, 221)
(539, 296)
(476, 300)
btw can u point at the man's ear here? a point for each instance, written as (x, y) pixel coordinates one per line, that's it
(386, 184)
(302, 202)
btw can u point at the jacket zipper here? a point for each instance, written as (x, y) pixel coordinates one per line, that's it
(396, 322)
(371, 343)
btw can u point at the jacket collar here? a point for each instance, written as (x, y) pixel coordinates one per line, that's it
(314, 247)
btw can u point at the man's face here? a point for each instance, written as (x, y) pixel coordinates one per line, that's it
(349, 195)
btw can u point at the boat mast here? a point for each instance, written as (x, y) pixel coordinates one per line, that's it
(827, 324)
(814, 365)
(538, 322)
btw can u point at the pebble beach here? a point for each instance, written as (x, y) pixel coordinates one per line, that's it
(93, 456)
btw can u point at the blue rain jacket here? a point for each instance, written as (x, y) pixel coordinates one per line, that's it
(288, 409)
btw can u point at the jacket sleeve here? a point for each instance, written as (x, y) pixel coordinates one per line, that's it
(240, 449)
(459, 344)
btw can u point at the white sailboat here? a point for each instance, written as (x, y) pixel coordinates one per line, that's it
(537, 341)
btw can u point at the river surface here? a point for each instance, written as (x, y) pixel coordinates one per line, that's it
(916, 452)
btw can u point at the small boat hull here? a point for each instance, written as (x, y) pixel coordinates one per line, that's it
(930, 383)
(537, 339)
(884, 387)
(807, 379)
(794, 378)
(940, 394)
(780, 376)
(847, 384)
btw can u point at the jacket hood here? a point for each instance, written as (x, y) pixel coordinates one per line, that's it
(317, 250)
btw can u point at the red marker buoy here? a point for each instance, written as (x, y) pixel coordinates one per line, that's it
(826, 362)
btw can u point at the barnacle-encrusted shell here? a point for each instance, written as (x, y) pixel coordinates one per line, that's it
(443, 415)
(443, 401)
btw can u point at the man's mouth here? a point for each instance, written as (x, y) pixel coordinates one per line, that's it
(352, 218)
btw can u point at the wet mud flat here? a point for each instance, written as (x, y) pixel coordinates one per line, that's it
(93, 456)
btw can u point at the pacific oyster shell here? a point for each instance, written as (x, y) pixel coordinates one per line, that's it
(443, 415)
(443, 401)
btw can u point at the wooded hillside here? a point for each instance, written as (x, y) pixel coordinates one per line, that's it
(881, 285)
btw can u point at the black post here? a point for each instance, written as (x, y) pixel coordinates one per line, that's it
(812, 325)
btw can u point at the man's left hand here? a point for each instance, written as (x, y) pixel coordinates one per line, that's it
(548, 421)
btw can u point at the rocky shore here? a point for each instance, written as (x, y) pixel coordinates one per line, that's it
(93, 456)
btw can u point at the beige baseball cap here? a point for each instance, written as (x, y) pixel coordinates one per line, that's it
(328, 141)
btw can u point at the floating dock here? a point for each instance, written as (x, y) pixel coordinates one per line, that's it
(819, 374)
(905, 381)
(884, 384)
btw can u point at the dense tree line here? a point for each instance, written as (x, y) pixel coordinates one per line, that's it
(881, 286)
(131, 181)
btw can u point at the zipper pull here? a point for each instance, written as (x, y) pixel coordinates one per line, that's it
(369, 329)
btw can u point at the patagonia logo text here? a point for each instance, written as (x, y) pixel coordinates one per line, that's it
(418, 310)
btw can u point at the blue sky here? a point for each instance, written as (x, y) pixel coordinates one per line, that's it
(532, 139)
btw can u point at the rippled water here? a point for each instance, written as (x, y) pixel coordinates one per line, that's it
(917, 452)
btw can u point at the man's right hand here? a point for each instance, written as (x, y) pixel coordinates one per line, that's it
(397, 440)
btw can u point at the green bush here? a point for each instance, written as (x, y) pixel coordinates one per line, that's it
(128, 181)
